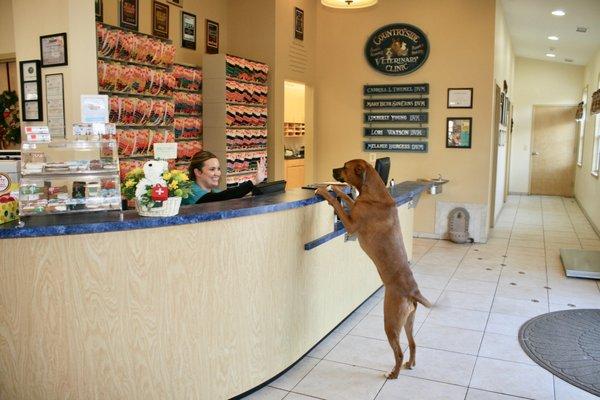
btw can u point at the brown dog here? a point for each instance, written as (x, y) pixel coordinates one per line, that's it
(374, 219)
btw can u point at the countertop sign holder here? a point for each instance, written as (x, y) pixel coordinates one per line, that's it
(396, 104)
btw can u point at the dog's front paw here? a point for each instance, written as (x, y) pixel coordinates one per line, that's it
(409, 365)
(392, 374)
(322, 191)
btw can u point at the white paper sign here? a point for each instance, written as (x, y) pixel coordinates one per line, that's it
(165, 151)
(55, 104)
(37, 133)
(94, 108)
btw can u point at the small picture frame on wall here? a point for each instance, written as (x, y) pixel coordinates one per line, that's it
(188, 30)
(458, 132)
(129, 14)
(298, 23)
(31, 90)
(212, 37)
(160, 19)
(178, 3)
(53, 49)
(99, 10)
(460, 98)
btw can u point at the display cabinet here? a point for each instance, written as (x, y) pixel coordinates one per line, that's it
(291, 129)
(69, 176)
(235, 113)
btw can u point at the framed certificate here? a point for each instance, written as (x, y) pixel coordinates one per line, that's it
(160, 19)
(212, 37)
(31, 90)
(188, 30)
(128, 14)
(53, 49)
(298, 23)
(55, 104)
(460, 98)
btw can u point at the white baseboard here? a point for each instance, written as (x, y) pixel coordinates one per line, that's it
(426, 235)
(594, 227)
(519, 193)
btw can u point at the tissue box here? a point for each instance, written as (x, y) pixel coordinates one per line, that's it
(9, 209)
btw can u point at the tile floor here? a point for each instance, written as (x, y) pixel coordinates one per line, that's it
(467, 347)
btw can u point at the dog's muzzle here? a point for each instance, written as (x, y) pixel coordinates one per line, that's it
(337, 174)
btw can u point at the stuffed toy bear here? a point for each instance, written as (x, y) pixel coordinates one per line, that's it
(153, 171)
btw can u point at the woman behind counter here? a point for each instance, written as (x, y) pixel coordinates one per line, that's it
(205, 171)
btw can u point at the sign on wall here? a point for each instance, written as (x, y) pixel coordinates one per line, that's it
(403, 147)
(419, 88)
(397, 132)
(396, 117)
(396, 103)
(397, 49)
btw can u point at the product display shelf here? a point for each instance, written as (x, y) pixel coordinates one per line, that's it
(188, 123)
(291, 129)
(235, 94)
(69, 176)
(135, 71)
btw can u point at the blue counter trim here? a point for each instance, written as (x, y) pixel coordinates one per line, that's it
(99, 222)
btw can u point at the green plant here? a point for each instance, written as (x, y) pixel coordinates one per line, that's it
(10, 131)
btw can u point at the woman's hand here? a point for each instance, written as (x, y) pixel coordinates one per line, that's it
(261, 171)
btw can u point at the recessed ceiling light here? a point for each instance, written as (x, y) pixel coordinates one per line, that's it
(553, 37)
(558, 13)
(550, 55)
(568, 60)
(581, 29)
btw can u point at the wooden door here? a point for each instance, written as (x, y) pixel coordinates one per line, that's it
(294, 173)
(553, 150)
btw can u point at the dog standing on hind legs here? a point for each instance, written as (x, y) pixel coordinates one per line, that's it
(373, 217)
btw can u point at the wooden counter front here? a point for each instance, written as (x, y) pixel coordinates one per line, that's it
(197, 311)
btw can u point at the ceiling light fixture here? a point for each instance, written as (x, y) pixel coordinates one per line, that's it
(558, 13)
(550, 55)
(553, 37)
(348, 3)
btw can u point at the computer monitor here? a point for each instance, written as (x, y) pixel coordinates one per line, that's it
(382, 166)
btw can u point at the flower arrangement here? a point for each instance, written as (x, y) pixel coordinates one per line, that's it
(150, 190)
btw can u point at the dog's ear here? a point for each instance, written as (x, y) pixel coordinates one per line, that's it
(361, 171)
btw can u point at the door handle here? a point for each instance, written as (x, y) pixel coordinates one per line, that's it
(535, 153)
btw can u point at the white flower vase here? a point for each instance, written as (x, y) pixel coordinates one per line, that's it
(169, 208)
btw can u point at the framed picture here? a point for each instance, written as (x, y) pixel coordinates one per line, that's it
(178, 3)
(460, 98)
(160, 19)
(298, 23)
(31, 90)
(129, 14)
(55, 104)
(53, 49)
(188, 30)
(212, 37)
(99, 10)
(458, 132)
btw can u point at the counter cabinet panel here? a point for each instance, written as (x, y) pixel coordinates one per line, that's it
(207, 310)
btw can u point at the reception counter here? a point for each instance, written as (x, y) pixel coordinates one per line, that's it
(205, 305)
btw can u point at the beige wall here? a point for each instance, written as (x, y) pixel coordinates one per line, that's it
(504, 61)
(462, 55)
(34, 18)
(537, 83)
(587, 187)
(7, 37)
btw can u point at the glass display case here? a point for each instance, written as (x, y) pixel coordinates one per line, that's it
(69, 176)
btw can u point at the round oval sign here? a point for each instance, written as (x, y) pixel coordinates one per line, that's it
(397, 49)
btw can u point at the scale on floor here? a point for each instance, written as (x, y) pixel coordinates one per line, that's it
(581, 263)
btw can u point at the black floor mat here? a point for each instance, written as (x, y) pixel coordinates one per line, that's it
(566, 343)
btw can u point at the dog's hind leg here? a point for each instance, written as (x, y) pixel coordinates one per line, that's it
(412, 346)
(395, 313)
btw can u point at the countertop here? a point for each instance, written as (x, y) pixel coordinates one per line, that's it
(109, 221)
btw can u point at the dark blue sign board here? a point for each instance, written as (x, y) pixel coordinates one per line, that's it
(397, 49)
(397, 132)
(401, 147)
(418, 88)
(396, 103)
(396, 117)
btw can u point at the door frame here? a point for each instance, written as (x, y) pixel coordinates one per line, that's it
(533, 107)
(496, 127)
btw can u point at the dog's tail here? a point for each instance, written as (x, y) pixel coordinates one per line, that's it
(418, 297)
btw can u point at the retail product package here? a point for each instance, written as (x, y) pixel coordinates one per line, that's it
(9, 203)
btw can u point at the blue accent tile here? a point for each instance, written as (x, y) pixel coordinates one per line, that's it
(111, 221)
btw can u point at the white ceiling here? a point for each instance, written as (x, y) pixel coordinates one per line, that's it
(530, 22)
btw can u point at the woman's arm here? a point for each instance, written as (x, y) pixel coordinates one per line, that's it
(232, 193)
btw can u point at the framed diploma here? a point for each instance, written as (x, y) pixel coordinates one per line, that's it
(53, 49)
(188, 30)
(128, 14)
(298, 23)
(160, 19)
(460, 98)
(55, 104)
(212, 37)
(31, 90)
